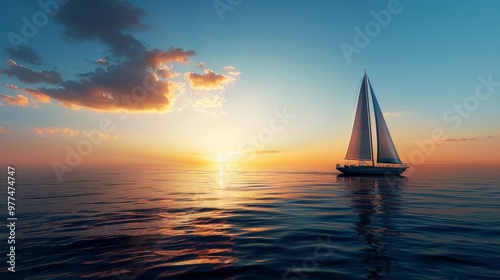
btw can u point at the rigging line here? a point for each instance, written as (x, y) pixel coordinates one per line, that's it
(369, 116)
(374, 124)
(373, 120)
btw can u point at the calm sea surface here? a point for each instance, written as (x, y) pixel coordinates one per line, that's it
(143, 222)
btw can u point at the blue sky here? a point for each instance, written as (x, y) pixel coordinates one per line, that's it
(427, 58)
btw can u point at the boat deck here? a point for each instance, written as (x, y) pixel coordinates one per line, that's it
(372, 170)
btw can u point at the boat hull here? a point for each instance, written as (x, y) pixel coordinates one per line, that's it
(371, 170)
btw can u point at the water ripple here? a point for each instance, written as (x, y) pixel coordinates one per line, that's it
(161, 224)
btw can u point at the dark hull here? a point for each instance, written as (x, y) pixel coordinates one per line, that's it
(372, 170)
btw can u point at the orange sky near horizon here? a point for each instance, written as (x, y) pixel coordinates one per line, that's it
(313, 155)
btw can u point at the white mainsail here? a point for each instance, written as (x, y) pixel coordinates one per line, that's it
(360, 145)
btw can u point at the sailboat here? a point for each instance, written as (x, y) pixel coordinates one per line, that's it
(361, 144)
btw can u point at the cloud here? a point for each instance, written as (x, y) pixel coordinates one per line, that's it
(206, 102)
(458, 139)
(37, 131)
(102, 136)
(201, 65)
(27, 75)
(101, 61)
(4, 130)
(129, 77)
(230, 70)
(128, 86)
(54, 132)
(166, 72)
(211, 101)
(38, 96)
(104, 21)
(395, 114)
(263, 152)
(24, 54)
(19, 100)
(135, 79)
(209, 80)
(439, 142)
(433, 144)
(156, 58)
(11, 86)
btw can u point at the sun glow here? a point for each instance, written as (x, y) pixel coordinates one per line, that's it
(226, 163)
(229, 157)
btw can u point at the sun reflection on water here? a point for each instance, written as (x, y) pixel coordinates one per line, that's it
(227, 163)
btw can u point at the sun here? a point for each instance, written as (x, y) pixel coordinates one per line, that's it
(228, 160)
(221, 159)
(230, 156)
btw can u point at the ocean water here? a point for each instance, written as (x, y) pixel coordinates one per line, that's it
(151, 222)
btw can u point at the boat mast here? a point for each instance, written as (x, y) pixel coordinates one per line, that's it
(369, 118)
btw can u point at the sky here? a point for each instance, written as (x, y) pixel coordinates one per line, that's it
(248, 83)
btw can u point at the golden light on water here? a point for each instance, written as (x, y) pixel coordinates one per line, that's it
(226, 163)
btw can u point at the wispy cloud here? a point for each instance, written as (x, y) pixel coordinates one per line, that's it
(210, 85)
(464, 139)
(102, 61)
(263, 152)
(468, 139)
(395, 114)
(440, 142)
(208, 80)
(103, 136)
(11, 86)
(24, 54)
(231, 71)
(19, 100)
(211, 101)
(490, 137)
(4, 130)
(28, 75)
(54, 131)
(38, 96)
(64, 132)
